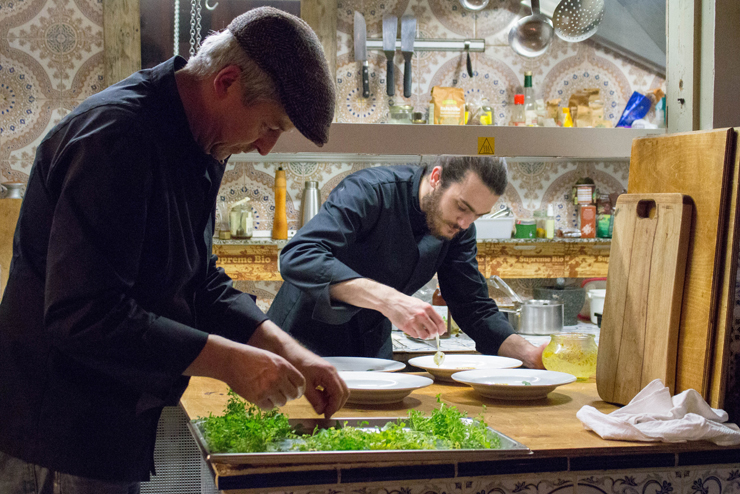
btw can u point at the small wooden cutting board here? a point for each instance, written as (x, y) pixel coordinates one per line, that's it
(644, 290)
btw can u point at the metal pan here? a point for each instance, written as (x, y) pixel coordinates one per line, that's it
(509, 448)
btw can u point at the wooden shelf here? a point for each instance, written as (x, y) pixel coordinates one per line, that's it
(534, 142)
(508, 258)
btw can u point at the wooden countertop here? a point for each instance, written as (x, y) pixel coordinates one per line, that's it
(549, 426)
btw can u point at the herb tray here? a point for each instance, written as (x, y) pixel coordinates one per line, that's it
(509, 448)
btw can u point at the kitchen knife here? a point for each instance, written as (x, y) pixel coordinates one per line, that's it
(361, 51)
(390, 27)
(408, 33)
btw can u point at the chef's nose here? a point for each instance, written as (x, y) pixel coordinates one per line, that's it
(266, 142)
(465, 221)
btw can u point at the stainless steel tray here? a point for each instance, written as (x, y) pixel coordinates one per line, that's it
(509, 448)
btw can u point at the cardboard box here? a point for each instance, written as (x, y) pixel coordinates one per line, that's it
(588, 221)
(490, 228)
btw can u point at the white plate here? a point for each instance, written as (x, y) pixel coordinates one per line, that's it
(365, 364)
(373, 388)
(456, 363)
(511, 384)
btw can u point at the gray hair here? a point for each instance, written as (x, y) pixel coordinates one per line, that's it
(221, 49)
(491, 170)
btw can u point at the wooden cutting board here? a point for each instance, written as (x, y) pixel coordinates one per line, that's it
(644, 289)
(701, 165)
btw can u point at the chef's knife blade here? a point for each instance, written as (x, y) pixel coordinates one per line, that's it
(408, 33)
(390, 28)
(361, 51)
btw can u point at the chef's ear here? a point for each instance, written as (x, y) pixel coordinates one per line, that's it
(435, 177)
(225, 78)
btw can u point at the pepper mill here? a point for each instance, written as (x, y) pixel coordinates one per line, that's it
(280, 222)
(310, 202)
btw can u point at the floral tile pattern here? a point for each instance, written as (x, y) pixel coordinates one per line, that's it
(562, 483)
(712, 481)
(51, 59)
(563, 69)
(645, 482)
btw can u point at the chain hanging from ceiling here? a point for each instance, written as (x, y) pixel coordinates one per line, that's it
(176, 43)
(195, 25)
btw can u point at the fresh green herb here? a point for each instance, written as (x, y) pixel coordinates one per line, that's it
(526, 383)
(245, 429)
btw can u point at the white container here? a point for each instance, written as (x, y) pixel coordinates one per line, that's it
(487, 228)
(596, 298)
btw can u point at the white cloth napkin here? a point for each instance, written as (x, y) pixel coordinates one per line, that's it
(653, 415)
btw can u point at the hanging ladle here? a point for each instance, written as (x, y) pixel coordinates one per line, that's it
(531, 35)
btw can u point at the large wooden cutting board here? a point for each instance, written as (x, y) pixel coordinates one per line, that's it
(699, 164)
(647, 264)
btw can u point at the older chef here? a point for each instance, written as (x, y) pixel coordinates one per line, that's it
(381, 235)
(114, 298)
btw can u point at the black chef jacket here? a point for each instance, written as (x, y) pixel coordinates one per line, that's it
(371, 226)
(113, 289)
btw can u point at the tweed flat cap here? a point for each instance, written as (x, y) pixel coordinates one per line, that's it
(286, 48)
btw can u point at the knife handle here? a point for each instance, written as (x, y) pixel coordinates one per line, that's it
(365, 80)
(407, 74)
(390, 77)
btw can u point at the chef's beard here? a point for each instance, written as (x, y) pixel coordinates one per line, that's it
(430, 205)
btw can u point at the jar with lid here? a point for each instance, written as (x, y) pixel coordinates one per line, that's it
(400, 114)
(525, 229)
(241, 219)
(517, 113)
(572, 353)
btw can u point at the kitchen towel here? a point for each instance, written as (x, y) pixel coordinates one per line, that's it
(653, 415)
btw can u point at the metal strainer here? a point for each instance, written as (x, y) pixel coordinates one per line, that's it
(576, 20)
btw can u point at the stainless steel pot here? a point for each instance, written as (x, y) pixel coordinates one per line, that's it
(536, 317)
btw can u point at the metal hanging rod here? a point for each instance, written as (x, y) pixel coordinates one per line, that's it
(428, 44)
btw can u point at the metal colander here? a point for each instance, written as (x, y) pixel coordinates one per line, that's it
(576, 20)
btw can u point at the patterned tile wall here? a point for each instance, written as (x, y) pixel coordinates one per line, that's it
(51, 58)
(498, 73)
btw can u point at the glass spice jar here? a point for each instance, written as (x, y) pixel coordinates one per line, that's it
(572, 353)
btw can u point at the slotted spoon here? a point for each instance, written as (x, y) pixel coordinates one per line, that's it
(576, 20)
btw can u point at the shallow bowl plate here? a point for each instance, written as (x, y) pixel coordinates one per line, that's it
(365, 364)
(456, 363)
(374, 388)
(514, 384)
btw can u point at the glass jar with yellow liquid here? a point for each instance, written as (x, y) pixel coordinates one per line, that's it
(572, 353)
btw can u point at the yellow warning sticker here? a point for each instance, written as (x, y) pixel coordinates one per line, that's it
(486, 145)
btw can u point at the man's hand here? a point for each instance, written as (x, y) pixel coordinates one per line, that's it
(414, 317)
(517, 347)
(325, 390)
(259, 376)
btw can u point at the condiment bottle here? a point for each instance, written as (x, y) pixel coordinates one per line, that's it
(530, 111)
(280, 222)
(517, 114)
(567, 120)
(550, 222)
(486, 117)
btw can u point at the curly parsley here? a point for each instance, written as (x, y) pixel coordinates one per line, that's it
(244, 428)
